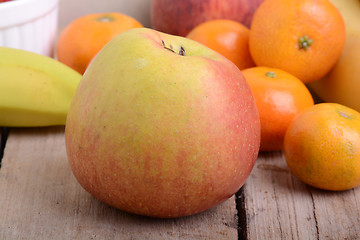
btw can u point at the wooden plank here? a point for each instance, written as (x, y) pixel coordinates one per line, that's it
(337, 214)
(40, 199)
(279, 206)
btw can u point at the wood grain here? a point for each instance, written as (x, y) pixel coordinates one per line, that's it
(279, 206)
(40, 199)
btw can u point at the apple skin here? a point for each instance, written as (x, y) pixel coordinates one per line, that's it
(155, 133)
(180, 17)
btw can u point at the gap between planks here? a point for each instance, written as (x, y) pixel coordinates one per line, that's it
(279, 206)
(3, 137)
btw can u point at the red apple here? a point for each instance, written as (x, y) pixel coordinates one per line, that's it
(179, 17)
(162, 126)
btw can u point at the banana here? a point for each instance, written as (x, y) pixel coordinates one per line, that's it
(35, 90)
(342, 83)
(350, 10)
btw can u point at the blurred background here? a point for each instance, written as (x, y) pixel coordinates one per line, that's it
(70, 10)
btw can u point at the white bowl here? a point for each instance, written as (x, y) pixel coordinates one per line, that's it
(29, 25)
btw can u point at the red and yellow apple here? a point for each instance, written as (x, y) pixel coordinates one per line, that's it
(162, 126)
(180, 17)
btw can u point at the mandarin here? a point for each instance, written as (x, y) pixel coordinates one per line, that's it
(279, 97)
(303, 37)
(322, 147)
(84, 37)
(227, 37)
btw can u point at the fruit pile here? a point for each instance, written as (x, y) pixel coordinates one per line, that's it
(287, 48)
(169, 121)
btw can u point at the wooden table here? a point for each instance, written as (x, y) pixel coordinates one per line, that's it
(40, 199)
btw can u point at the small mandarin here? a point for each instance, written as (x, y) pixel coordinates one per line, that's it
(84, 37)
(303, 37)
(322, 147)
(279, 97)
(227, 37)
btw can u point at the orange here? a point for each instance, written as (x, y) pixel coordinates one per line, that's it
(227, 37)
(303, 37)
(322, 147)
(279, 97)
(84, 37)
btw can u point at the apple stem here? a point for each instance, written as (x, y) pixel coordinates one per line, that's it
(305, 42)
(181, 52)
(170, 49)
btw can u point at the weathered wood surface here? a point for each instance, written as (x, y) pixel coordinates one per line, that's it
(279, 206)
(40, 199)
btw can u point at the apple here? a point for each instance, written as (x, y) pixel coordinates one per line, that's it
(161, 126)
(180, 17)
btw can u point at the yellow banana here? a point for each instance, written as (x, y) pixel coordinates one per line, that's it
(350, 10)
(342, 83)
(35, 90)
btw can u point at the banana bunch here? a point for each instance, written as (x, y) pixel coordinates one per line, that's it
(342, 84)
(35, 90)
